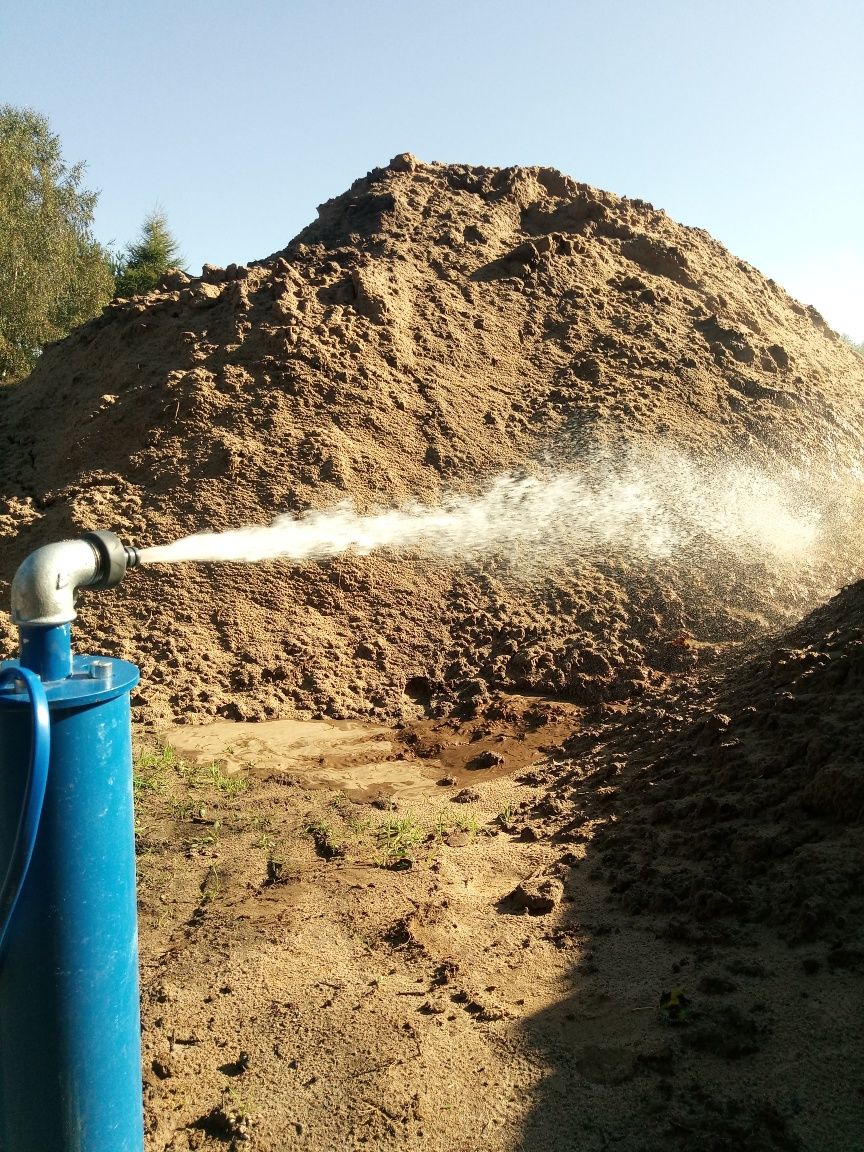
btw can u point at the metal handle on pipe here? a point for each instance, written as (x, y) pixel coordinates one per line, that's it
(34, 795)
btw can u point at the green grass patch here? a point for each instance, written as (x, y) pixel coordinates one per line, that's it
(212, 776)
(328, 845)
(397, 838)
(151, 767)
(159, 769)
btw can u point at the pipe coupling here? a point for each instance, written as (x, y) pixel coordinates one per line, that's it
(47, 581)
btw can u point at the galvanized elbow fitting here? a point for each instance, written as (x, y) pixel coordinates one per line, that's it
(46, 583)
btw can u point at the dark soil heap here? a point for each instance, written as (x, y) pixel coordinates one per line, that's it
(437, 325)
(740, 799)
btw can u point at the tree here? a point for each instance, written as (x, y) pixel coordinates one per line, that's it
(145, 262)
(53, 274)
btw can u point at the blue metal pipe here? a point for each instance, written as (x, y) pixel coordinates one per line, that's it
(70, 1058)
(47, 651)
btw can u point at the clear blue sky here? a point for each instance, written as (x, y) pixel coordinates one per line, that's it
(745, 117)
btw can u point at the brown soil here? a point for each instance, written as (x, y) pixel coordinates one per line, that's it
(436, 326)
(498, 821)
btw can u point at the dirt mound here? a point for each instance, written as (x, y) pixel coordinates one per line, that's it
(436, 326)
(739, 801)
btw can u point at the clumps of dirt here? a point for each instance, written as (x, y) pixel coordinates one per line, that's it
(437, 325)
(740, 800)
(228, 1125)
(536, 894)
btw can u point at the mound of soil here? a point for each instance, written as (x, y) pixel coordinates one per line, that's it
(437, 325)
(739, 800)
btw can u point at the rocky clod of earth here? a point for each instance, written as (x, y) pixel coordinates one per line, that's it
(537, 894)
(436, 326)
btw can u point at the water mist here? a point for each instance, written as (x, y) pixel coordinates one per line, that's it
(658, 504)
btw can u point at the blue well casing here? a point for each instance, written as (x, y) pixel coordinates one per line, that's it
(70, 1025)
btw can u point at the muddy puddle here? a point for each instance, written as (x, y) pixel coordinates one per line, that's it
(366, 761)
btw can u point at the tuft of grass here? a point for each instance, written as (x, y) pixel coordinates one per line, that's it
(397, 839)
(150, 767)
(276, 865)
(340, 803)
(467, 823)
(212, 776)
(163, 756)
(327, 844)
(160, 771)
(505, 816)
(359, 825)
(212, 885)
(182, 810)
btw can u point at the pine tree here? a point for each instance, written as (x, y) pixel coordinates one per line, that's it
(147, 260)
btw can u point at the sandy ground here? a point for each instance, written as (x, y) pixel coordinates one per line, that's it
(424, 967)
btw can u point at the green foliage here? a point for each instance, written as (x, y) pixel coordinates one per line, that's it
(153, 768)
(150, 768)
(468, 823)
(397, 839)
(144, 263)
(53, 273)
(327, 842)
(859, 348)
(211, 886)
(211, 775)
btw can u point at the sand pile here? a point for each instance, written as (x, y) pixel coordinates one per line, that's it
(436, 326)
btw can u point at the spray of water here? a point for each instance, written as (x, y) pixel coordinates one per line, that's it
(656, 504)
